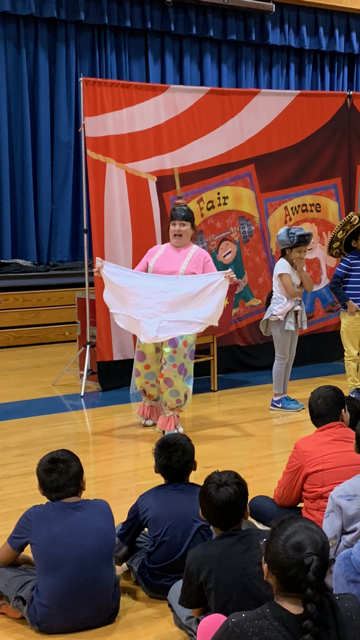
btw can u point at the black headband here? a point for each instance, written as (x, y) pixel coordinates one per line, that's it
(183, 213)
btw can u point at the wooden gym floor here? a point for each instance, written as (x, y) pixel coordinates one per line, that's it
(231, 429)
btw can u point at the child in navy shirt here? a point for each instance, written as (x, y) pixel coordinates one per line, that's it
(344, 243)
(74, 586)
(170, 513)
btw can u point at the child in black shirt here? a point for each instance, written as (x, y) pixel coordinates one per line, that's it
(225, 574)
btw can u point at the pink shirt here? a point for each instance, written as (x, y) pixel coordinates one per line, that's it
(171, 260)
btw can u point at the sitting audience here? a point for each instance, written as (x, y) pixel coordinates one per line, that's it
(353, 407)
(342, 516)
(295, 563)
(74, 586)
(317, 464)
(224, 574)
(346, 573)
(170, 513)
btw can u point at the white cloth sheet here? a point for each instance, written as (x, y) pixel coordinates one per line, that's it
(157, 308)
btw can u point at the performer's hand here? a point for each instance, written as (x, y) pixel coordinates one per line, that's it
(211, 243)
(352, 308)
(231, 275)
(98, 267)
(234, 233)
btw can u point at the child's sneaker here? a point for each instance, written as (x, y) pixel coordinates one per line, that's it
(285, 404)
(301, 404)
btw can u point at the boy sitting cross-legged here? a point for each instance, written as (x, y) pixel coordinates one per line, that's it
(170, 513)
(74, 586)
(225, 574)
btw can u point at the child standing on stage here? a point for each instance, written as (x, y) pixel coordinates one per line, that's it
(344, 243)
(285, 314)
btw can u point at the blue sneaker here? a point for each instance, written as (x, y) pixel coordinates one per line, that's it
(285, 404)
(301, 404)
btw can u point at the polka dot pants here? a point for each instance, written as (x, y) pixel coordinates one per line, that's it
(164, 372)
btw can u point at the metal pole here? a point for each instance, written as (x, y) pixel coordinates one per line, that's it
(86, 243)
(87, 368)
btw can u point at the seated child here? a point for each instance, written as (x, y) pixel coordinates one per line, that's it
(317, 464)
(346, 574)
(353, 407)
(170, 513)
(225, 574)
(342, 516)
(296, 559)
(74, 586)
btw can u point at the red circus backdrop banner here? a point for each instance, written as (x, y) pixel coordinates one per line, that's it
(249, 163)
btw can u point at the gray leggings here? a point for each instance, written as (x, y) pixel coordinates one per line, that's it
(285, 343)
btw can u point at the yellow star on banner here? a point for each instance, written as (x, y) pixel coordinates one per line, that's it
(226, 302)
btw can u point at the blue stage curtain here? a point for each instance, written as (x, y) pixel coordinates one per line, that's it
(42, 57)
(40, 153)
(290, 25)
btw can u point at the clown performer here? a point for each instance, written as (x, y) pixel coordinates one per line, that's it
(164, 371)
(316, 253)
(227, 255)
(344, 243)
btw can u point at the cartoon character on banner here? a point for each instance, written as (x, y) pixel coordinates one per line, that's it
(226, 253)
(316, 262)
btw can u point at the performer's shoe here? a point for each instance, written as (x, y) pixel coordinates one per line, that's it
(355, 393)
(286, 404)
(254, 302)
(148, 423)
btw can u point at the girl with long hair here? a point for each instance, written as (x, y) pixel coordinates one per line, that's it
(295, 563)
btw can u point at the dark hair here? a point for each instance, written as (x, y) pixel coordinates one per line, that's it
(357, 437)
(174, 457)
(297, 555)
(225, 240)
(354, 235)
(60, 474)
(268, 299)
(182, 212)
(325, 405)
(223, 499)
(353, 407)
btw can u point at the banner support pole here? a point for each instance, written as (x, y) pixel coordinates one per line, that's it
(88, 345)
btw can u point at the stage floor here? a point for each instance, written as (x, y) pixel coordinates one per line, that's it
(231, 429)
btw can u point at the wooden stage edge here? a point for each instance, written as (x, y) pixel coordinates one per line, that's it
(231, 429)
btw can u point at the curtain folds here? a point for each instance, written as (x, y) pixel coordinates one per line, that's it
(290, 25)
(42, 58)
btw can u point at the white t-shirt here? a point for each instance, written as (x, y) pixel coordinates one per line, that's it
(281, 304)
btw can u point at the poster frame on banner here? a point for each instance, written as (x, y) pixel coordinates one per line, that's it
(88, 344)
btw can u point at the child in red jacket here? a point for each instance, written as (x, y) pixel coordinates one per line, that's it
(318, 463)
